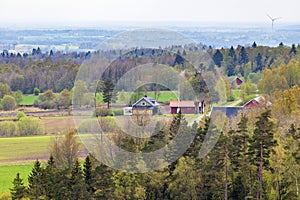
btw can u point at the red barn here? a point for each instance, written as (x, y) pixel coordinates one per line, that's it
(256, 102)
(186, 107)
(238, 81)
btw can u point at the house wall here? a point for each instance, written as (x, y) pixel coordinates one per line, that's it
(184, 110)
(251, 104)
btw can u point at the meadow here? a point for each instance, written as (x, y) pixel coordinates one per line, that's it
(28, 99)
(8, 173)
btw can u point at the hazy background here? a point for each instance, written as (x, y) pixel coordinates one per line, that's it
(91, 12)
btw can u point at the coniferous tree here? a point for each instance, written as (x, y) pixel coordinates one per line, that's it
(261, 146)
(35, 181)
(87, 172)
(19, 190)
(103, 182)
(78, 188)
(49, 177)
(218, 58)
(109, 93)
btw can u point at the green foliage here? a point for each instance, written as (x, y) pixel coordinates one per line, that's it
(8, 102)
(109, 93)
(35, 182)
(118, 112)
(28, 100)
(18, 96)
(8, 129)
(46, 100)
(30, 126)
(19, 190)
(4, 90)
(20, 115)
(36, 91)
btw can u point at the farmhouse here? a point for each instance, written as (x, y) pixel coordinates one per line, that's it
(256, 102)
(145, 106)
(187, 107)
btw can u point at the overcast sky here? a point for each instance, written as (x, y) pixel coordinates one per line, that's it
(76, 12)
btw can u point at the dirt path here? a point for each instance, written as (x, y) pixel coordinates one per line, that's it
(197, 120)
(234, 103)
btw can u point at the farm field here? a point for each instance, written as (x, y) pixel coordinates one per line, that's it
(8, 173)
(28, 99)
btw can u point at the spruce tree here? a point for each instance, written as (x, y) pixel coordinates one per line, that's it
(261, 146)
(87, 172)
(77, 183)
(19, 190)
(35, 181)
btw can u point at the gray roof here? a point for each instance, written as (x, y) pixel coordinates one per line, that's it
(151, 101)
(228, 111)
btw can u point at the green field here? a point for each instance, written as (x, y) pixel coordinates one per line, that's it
(163, 96)
(8, 173)
(24, 150)
(28, 99)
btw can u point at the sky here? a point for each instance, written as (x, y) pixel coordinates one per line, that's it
(26, 12)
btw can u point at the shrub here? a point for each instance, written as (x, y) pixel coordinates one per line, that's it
(30, 126)
(8, 102)
(118, 112)
(20, 114)
(36, 91)
(8, 129)
(103, 112)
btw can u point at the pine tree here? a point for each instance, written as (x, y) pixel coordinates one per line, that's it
(109, 93)
(49, 178)
(103, 182)
(218, 58)
(78, 188)
(35, 181)
(243, 59)
(261, 146)
(87, 172)
(19, 190)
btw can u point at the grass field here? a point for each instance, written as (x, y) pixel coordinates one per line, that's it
(28, 99)
(8, 173)
(164, 96)
(24, 150)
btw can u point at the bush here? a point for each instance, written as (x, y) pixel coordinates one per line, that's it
(118, 112)
(8, 102)
(8, 129)
(30, 126)
(20, 115)
(103, 112)
(36, 91)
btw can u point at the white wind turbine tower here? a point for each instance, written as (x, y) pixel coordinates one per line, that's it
(273, 20)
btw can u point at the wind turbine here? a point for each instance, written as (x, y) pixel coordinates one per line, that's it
(273, 20)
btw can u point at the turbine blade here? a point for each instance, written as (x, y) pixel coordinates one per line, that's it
(270, 17)
(277, 18)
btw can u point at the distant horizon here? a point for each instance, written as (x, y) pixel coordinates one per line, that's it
(147, 24)
(81, 13)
